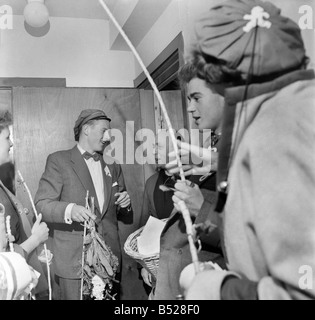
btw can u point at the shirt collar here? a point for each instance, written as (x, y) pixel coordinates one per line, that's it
(81, 149)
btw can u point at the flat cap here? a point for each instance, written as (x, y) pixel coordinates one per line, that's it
(226, 32)
(85, 116)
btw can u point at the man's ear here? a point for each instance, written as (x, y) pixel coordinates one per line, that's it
(86, 129)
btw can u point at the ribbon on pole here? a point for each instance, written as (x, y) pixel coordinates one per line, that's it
(84, 237)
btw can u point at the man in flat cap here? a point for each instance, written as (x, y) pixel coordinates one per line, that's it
(265, 205)
(61, 194)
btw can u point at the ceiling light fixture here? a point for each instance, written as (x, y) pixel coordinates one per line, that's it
(36, 13)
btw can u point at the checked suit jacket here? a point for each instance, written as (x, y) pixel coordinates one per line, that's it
(65, 180)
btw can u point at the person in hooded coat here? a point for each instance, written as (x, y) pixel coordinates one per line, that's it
(265, 204)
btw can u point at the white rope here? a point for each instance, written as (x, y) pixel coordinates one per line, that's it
(84, 236)
(45, 247)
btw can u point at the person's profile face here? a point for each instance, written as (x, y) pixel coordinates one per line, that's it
(204, 104)
(96, 134)
(5, 145)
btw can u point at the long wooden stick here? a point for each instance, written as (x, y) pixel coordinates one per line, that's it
(84, 235)
(185, 211)
(8, 226)
(45, 247)
(3, 239)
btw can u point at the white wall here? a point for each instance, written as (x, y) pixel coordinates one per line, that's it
(180, 15)
(121, 12)
(78, 49)
(290, 9)
(161, 34)
(75, 49)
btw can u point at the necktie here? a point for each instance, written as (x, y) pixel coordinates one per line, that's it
(96, 156)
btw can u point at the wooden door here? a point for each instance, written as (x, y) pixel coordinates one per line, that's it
(7, 169)
(43, 123)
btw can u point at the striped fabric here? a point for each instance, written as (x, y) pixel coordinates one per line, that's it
(17, 278)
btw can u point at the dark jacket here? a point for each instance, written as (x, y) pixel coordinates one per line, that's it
(174, 247)
(66, 180)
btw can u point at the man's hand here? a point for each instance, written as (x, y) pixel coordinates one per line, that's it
(190, 194)
(195, 160)
(146, 276)
(123, 199)
(81, 214)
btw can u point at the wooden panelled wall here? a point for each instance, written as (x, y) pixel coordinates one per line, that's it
(43, 120)
(43, 123)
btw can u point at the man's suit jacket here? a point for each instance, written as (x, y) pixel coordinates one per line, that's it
(65, 180)
(148, 206)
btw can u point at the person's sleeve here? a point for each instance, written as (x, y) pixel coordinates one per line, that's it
(21, 235)
(220, 285)
(47, 198)
(68, 219)
(234, 288)
(207, 284)
(18, 249)
(122, 187)
(206, 221)
(281, 163)
(146, 210)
